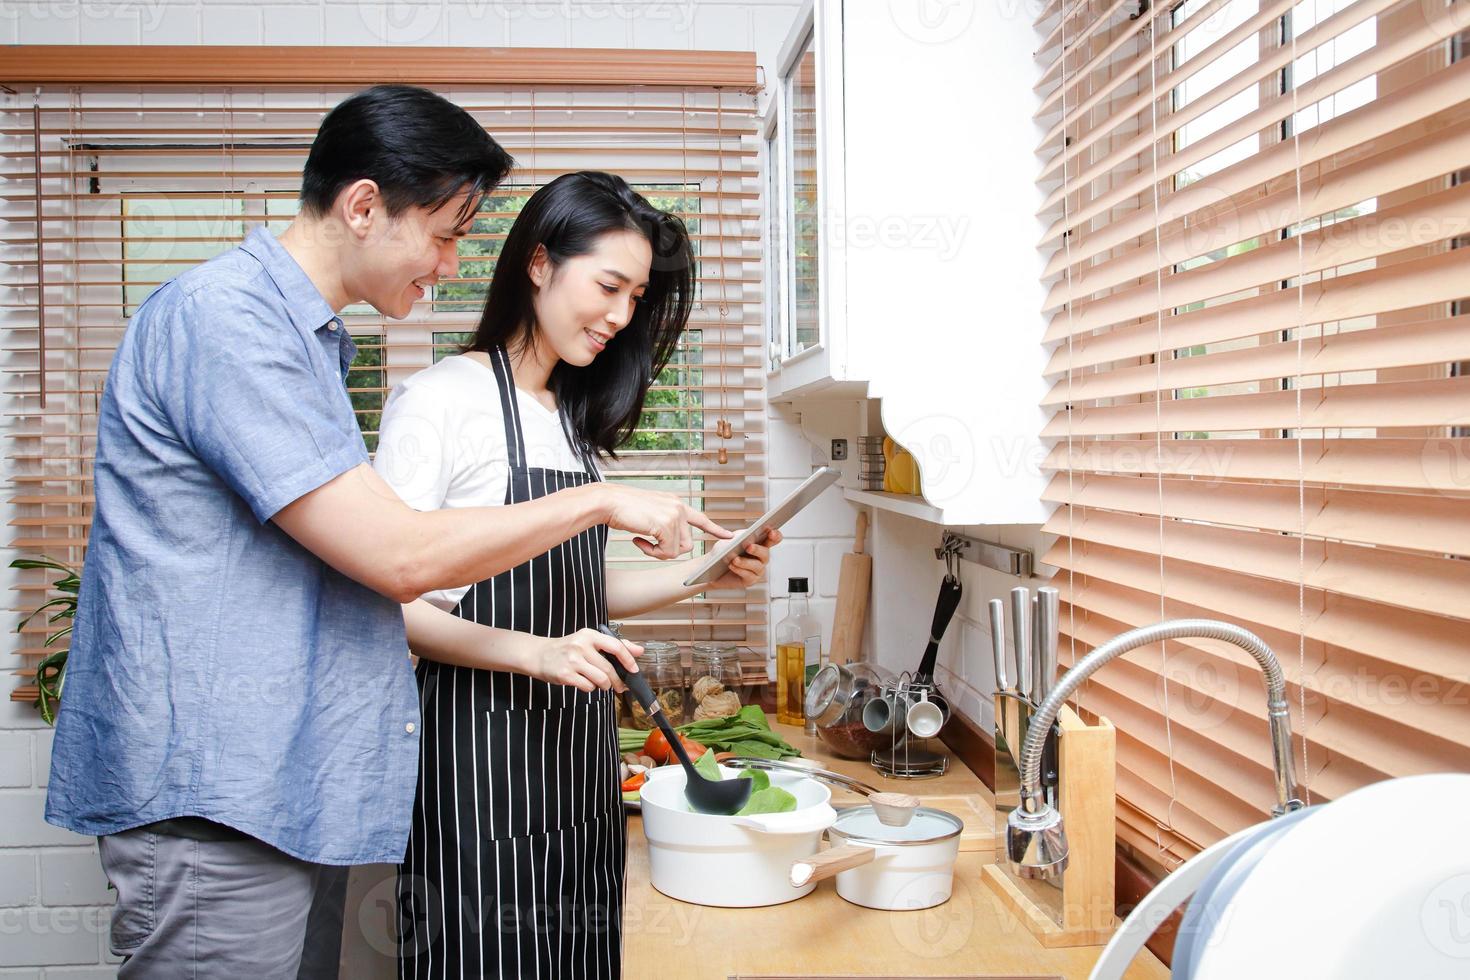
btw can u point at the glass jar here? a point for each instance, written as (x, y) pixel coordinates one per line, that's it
(835, 701)
(714, 681)
(660, 665)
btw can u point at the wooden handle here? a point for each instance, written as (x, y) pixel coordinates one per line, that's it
(827, 863)
(861, 533)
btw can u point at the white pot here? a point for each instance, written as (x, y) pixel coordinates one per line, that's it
(737, 862)
(883, 867)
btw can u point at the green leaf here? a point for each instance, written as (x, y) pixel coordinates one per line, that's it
(772, 799)
(707, 767)
(753, 715)
(42, 562)
(759, 777)
(756, 749)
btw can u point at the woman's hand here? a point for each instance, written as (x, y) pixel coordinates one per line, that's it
(582, 660)
(749, 568)
(661, 522)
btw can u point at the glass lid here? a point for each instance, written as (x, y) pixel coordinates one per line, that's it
(928, 825)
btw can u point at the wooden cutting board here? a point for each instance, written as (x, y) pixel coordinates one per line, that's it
(852, 598)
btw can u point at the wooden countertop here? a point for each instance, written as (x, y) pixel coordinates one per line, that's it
(972, 935)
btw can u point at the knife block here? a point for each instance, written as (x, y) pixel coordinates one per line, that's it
(1076, 909)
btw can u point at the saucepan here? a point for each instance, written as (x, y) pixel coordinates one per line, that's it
(731, 861)
(884, 867)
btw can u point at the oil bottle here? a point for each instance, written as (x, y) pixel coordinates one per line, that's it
(798, 654)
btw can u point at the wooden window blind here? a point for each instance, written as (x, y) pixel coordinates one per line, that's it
(110, 189)
(1256, 213)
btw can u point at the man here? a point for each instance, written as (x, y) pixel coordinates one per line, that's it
(241, 718)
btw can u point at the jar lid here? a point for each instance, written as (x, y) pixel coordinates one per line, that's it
(716, 651)
(860, 824)
(660, 650)
(821, 696)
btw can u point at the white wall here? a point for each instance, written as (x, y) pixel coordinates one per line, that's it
(54, 902)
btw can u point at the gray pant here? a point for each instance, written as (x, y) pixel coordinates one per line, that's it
(233, 909)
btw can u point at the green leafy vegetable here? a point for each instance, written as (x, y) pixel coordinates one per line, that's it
(772, 799)
(757, 776)
(707, 767)
(746, 733)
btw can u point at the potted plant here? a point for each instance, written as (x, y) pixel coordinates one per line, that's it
(51, 672)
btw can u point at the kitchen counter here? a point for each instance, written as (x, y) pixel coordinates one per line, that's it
(971, 935)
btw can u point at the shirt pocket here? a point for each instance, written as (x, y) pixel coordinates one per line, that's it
(549, 768)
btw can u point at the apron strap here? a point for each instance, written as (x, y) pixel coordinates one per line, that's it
(515, 443)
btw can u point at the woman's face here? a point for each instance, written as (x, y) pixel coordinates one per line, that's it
(583, 303)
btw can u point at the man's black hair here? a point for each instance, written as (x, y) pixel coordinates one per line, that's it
(421, 149)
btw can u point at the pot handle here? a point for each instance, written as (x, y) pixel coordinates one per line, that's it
(825, 864)
(812, 818)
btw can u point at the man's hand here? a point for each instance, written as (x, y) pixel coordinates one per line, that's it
(660, 521)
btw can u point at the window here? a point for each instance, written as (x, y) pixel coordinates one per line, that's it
(1257, 415)
(803, 210)
(180, 173)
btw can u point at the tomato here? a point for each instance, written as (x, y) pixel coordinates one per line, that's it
(633, 782)
(657, 748)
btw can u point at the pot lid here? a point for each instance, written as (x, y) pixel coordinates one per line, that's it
(861, 825)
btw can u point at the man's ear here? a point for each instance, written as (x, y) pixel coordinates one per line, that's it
(359, 205)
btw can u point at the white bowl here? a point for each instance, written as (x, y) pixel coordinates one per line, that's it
(734, 862)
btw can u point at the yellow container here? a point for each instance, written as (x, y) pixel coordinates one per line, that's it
(900, 469)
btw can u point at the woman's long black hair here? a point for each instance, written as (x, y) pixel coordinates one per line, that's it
(602, 402)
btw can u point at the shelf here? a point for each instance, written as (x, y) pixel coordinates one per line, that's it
(897, 503)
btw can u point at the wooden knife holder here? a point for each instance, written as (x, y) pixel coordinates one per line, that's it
(1076, 909)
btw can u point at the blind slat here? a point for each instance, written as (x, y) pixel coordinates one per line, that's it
(1399, 345)
(1438, 464)
(1421, 522)
(1402, 286)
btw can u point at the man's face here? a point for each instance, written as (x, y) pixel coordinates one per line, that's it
(400, 258)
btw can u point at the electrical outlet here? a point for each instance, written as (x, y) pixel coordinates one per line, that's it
(839, 449)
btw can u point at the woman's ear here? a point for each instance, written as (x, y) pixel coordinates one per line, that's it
(540, 267)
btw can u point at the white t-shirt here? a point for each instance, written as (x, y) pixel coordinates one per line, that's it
(441, 442)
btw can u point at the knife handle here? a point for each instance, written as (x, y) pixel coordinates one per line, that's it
(1050, 608)
(1021, 627)
(998, 642)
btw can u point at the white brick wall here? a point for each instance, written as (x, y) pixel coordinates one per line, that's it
(54, 903)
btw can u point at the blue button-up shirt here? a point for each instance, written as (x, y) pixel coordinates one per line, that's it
(218, 669)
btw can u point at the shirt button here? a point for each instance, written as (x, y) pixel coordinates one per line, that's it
(408, 728)
(332, 326)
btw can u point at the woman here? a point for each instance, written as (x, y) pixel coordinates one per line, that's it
(515, 862)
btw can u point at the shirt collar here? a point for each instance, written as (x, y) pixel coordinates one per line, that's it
(309, 309)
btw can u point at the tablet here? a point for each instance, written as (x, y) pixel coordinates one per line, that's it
(715, 564)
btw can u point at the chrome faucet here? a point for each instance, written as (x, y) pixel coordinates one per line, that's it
(1036, 844)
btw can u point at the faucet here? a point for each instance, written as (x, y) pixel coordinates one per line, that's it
(1036, 844)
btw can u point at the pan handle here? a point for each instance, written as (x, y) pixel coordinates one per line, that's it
(820, 775)
(950, 591)
(828, 863)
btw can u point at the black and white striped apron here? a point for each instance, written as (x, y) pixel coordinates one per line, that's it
(515, 859)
